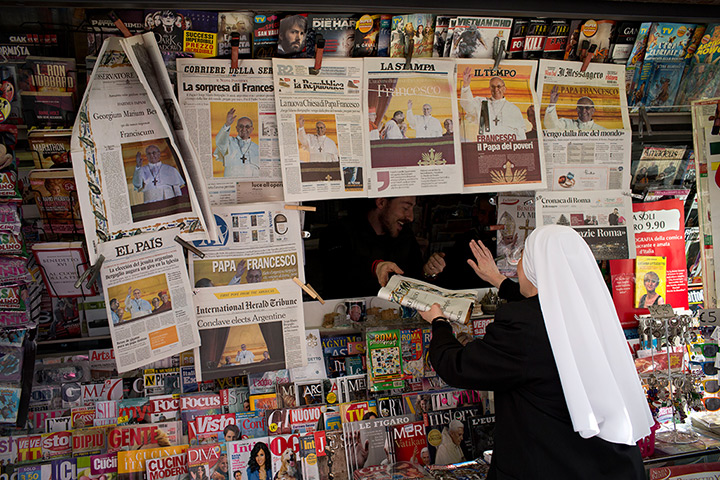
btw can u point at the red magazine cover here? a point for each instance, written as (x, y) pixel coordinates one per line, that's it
(686, 471)
(659, 232)
(407, 442)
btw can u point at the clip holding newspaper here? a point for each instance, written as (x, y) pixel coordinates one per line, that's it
(231, 114)
(457, 305)
(322, 134)
(149, 299)
(134, 166)
(587, 136)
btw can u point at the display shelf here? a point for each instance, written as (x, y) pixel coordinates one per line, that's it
(67, 346)
(666, 126)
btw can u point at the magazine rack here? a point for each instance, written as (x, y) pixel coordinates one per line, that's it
(665, 328)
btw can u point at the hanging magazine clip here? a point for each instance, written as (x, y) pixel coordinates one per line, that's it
(484, 120)
(319, 48)
(91, 273)
(498, 51)
(409, 53)
(189, 246)
(304, 208)
(120, 25)
(309, 290)
(588, 57)
(234, 49)
(643, 121)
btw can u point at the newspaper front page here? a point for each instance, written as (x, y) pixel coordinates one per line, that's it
(250, 328)
(516, 215)
(412, 113)
(231, 118)
(149, 300)
(259, 242)
(603, 219)
(457, 305)
(498, 128)
(706, 140)
(586, 127)
(130, 174)
(322, 134)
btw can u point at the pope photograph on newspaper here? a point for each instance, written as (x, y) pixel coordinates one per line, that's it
(412, 117)
(498, 128)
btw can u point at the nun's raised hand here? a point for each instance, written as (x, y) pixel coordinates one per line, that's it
(484, 264)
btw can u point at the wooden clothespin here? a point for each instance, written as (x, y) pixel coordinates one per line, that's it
(588, 57)
(120, 26)
(189, 246)
(319, 48)
(234, 49)
(309, 290)
(498, 51)
(643, 121)
(304, 208)
(91, 273)
(409, 53)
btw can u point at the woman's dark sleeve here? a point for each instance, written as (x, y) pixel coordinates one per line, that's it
(510, 291)
(492, 363)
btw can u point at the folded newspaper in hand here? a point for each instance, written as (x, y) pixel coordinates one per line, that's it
(457, 305)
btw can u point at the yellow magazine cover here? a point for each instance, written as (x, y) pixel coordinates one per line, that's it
(650, 281)
(131, 464)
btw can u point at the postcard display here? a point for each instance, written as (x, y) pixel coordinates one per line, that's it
(185, 182)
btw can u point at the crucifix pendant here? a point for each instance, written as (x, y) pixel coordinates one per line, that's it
(154, 181)
(320, 149)
(425, 127)
(496, 120)
(243, 158)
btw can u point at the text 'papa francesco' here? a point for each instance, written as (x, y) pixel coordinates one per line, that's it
(137, 247)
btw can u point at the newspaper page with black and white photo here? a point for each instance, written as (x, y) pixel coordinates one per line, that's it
(603, 219)
(259, 242)
(498, 128)
(322, 134)
(230, 115)
(414, 149)
(148, 298)
(586, 126)
(457, 305)
(516, 216)
(130, 173)
(250, 328)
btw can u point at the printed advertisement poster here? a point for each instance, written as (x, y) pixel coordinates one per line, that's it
(501, 148)
(149, 300)
(412, 113)
(322, 139)
(258, 242)
(601, 218)
(231, 118)
(586, 127)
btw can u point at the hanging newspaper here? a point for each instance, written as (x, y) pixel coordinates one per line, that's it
(516, 215)
(501, 149)
(586, 127)
(322, 139)
(132, 170)
(413, 149)
(706, 139)
(231, 118)
(258, 243)
(603, 219)
(149, 299)
(250, 328)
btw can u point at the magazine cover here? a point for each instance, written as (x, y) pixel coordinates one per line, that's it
(385, 370)
(338, 31)
(10, 106)
(367, 31)
(48, 86)
(516, 214)
(57, 200)
(476, 37)
(596, 33)
(235, 22)
(50, 147)
(173, 467)
(97, 467)
(285, 450)
(637, 55)
(448, 439)
(704, 66)
(418, 28)
(203, 459)
(650, 281)
(408, 443)
(371, 436)
(250, 459)
(501, 148)
(441, 35)
(265, 35)
(132, 464)
(516, 44)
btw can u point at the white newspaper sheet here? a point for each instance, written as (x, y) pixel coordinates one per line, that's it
(259, 242)
(322, 134)
(130, 173)
(413, 147)
(706, 138)
(586, 127)
(231, 117)
(498, 127)
(250, 328)
(149, 299)
(603, 219)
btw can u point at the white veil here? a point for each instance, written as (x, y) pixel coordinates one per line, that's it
(598, 375)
